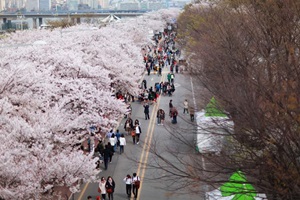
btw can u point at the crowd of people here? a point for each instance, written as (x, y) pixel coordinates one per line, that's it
(163, 54)
(107, 187)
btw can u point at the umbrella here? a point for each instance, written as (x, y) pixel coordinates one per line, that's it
(239, 187)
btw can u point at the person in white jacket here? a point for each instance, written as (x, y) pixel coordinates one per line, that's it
(113, 141)
(186, 107)
(128, 181)
(122, 143)
(102, 188)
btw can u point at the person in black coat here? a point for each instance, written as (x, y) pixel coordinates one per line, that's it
(110, 187)
(146, 111)
(112, 151)
(106, 155)
(145, 84)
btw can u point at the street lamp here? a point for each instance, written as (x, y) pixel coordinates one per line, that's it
(21, 17)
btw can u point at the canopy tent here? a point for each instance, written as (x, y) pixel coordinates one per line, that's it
(211, 132)
(217, 195)
(211, 123)
(237, 188)
(213, 109)
(110, 18)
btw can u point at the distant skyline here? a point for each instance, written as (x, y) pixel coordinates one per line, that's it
(57, 5)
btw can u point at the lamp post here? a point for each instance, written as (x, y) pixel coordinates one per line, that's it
(21, 17)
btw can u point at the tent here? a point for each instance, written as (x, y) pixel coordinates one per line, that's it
(213, 110)
(237, 188)
(110, 18)
(217, 195)
(210, 131)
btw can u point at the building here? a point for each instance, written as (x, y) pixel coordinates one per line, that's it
(44, 5)
(93, 4)
(156, 5)
(32, 5)
(104, 4)
(72, 4)
(129, 6)
(2, 5)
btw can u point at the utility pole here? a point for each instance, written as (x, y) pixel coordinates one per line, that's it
(21, 17)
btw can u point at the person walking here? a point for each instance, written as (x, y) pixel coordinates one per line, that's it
(133, 135)
(109, 134)
(174, 114)
(192, 114)
(113, 141)
(148, 70)
(162, 116)
(102, 188)
(135, 185)
(172, 77)
(111, 151)
(128, 125)
(110, 188)
(106, 156)
(169, 89)
(169, 77)
(136, 122)
(158, 117)
(122, 143)
(89, 198)
(146, 111)
(159, 71)
(185, 106)
(138, 132)
(118, 135)
(128, 182)
(129, 110)
(144, 84)
(172, 88)
(170, 107)
(100, 147)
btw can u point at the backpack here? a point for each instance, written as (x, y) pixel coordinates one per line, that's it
(137, 183)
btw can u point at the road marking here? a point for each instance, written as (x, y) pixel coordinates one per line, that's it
(177, 85)
(83, 190)
(148, 139)
(195, 108)
(144, 157)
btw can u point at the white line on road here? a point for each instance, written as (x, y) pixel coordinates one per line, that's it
(195, 107)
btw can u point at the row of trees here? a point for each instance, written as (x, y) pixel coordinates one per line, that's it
(53, 86)
(246, 53)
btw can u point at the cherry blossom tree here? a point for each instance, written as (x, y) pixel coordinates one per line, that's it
(53, 86)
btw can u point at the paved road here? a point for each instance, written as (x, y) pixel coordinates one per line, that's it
(128, 162)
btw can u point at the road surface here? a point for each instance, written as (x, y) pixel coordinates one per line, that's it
(155, 135)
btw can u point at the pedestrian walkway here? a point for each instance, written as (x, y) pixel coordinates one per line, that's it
(135, 154)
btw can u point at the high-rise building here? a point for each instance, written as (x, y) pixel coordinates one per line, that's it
(2, 5)
(44, 5)
(19, 4)
(93, 4)
(32, 5)
(104, 3)
(12, 4)
(72, 4)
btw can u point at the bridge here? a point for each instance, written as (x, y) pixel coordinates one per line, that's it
(71, 14)
(74, 16)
